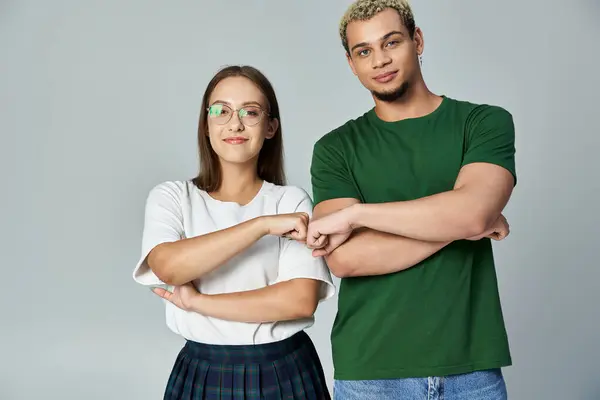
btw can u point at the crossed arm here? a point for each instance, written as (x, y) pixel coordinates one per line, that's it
(391, 237)
(288, 300)
(178, 262)
(371, 252)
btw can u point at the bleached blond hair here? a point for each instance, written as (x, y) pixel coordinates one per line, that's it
(362, 10)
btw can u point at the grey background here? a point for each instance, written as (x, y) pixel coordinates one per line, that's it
(99, 101)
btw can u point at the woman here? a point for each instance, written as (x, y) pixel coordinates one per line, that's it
(226, 251)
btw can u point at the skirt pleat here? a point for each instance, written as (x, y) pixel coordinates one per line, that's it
(283, 387)
(191, 377)
(239, 382)
(252, 382)
(300, 384)
(212, 384)
(176, 380)
(309, 379)
(289, 369)
(227, 388)
(315, 381)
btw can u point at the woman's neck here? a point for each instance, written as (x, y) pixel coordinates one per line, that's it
(239, 183)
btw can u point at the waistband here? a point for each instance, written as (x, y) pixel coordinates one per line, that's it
(246, 354)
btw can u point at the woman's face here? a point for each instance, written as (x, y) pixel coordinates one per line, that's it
(238, 121)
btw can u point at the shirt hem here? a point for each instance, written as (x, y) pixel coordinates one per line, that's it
(400, 373)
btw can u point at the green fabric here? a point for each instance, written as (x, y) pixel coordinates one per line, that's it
(442, 316)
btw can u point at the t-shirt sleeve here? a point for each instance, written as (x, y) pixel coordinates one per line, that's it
(295, 259)
(163, 223)
(490, 134)
(330, 176)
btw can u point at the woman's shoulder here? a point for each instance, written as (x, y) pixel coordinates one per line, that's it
(285, 191)
(288, 197)
(173, 189)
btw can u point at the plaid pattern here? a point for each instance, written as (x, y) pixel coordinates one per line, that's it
(288, 369)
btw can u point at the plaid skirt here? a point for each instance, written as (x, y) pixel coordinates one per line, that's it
(288, 369)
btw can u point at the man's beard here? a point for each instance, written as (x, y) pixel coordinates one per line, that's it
(394, 95)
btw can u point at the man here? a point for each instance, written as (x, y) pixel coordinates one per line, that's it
(407, 198)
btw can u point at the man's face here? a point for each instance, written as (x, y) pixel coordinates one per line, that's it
(382, 55)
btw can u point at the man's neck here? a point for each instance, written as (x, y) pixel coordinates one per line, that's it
(417, 102)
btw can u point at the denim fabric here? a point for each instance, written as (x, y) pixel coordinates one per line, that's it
(479, 385)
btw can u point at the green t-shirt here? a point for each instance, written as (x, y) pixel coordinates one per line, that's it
(442, 316)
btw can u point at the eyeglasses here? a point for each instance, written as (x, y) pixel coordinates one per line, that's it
(222, 113)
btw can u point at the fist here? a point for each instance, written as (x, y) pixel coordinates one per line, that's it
(498, 231)
(292, 226)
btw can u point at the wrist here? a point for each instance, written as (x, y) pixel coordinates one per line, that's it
(356, 215)
(198, 303)
(261, 226)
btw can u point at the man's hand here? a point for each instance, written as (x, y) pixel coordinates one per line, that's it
(331, 230)
(332, 242)
(500, 230)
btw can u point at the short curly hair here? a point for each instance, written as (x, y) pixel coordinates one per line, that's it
(362, 10)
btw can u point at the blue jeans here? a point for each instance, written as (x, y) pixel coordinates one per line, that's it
(479, 385)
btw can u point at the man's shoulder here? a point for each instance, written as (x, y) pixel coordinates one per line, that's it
(342, 132)
(476, 110)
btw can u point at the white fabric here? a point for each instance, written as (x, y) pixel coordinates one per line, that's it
(178, 209)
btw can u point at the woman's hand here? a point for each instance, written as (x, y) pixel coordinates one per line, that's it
(184, 296)
(292, 226)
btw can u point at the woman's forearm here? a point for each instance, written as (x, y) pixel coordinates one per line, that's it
(176, 263)
(289, 300)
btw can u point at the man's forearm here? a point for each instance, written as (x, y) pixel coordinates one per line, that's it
(443, 217)
(480, 194)
(368, 252)
(290, 300)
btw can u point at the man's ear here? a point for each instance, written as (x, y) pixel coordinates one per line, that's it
(419, 41)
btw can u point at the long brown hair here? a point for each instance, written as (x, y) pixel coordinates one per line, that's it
(270, 158)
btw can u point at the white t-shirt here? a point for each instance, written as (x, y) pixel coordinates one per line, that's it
(178, 209)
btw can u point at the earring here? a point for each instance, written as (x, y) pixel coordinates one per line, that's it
(421, 60)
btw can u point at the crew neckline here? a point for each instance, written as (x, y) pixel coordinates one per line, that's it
(258, 195)
(375, 118)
